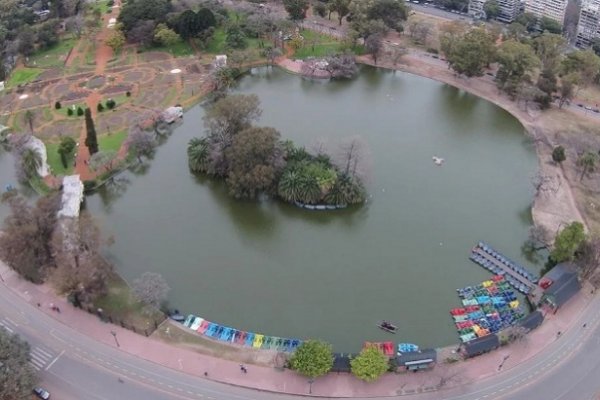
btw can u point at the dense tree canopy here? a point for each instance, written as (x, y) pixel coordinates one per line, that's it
(255, 161)
(17, 377)
(567, 242)
(296, 9)
(312, 359)
(189, 23)
(370, 364)
(517, 61)
(134, 11)
(368, 17)
(471, 53)
(491, 9)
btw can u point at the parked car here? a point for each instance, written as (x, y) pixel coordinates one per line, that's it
(41, 393)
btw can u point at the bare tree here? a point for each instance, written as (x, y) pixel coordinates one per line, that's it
(396, 53)
(419, 30)
(141, 143)
(588, 260)
(75, 25)
(353, 158)
(81, 272)
(341, 66)
(517, 333)
(151, 289)
(103, 160)
(448, 376)
(308, 68)
(545, 184)
(25, 244)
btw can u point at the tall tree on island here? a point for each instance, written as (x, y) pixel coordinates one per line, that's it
(91, 141)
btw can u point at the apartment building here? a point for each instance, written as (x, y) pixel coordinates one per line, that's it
(553, 9)
(509, 9)
(588, 27)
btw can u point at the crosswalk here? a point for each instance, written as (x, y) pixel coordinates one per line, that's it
(8, 324)
(39, 357)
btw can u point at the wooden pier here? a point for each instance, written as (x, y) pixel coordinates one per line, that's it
(508, 271)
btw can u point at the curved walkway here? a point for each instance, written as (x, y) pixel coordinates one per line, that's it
(446, 376)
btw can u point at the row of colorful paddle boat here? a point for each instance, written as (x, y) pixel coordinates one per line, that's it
(386, 348)
(485, 263)
(487, 308)
(242, 338)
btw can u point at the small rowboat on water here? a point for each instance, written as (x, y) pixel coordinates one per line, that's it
(387, 326)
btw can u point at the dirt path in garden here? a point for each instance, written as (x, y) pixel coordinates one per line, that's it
(103, 54)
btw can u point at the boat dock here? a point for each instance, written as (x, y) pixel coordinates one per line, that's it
(516, 275)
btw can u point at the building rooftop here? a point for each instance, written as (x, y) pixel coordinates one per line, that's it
(482, 345)
(532, 321)
(72, 196)
(341, 362)
(414, 357)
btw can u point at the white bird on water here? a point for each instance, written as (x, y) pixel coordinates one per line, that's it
(438, 160)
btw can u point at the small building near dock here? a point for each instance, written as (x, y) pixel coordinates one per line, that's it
(416, 360)
(341, 362)
(481, 345)
(560, 284)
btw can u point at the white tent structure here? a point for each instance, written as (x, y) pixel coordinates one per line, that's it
(72, 196)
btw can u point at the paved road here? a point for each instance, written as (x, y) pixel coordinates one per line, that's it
(437, 12)
(73, 366)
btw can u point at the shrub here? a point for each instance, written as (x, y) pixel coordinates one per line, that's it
(69, 111)
(57, 105)
(110, 104)
(79, 111)
(100, 107)
(89, 185)
(128, 93)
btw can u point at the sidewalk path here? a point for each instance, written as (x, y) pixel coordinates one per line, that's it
(270, 379)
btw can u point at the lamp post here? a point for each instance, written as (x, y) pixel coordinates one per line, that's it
(115, 336)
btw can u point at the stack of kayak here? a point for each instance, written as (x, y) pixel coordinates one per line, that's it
(242, 338)
(487, 308)
(407, 348)
(386, 348)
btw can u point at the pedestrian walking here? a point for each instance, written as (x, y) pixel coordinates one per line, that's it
(242, 367)
(584, 325)
(57, 309)
(39, 305)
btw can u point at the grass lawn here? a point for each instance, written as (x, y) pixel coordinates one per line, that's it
(39, 186)
(179, 49)
(320, 45)
(111, 141)
(120, 305)
(54, 56)
(54, 160)
(102, 6)
(217, 45)
(63, 110)
(23, 75)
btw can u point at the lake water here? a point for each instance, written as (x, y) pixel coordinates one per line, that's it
(271, 268)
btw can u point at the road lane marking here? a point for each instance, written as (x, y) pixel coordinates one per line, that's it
(55, 360)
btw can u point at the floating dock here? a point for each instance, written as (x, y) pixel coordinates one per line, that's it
(490, 259)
